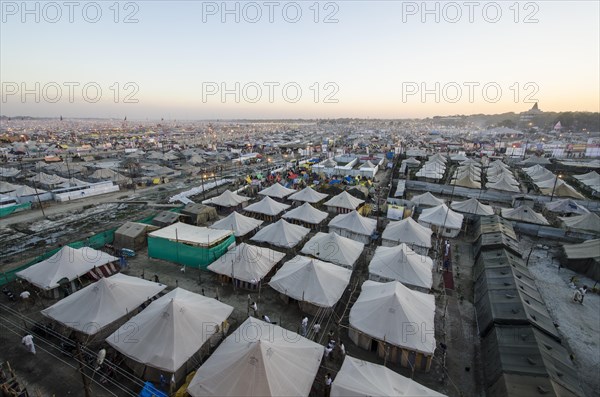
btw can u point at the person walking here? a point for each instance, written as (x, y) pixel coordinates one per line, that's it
(328, 382)
(254, 308)
(28, 342)
(316, 330)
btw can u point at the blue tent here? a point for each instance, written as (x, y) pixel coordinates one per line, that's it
(150, 390)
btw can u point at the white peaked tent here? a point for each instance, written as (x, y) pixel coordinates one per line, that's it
(587, 222)
(543, 176)
(240, 224)
(353, 225)
(108, 174)
(472, 206)
(247, 263)
(566, 206)
(383, 311)
(310, 280)
(504, 175)
(438, 157)
(334, 248)
(344, 202)
(23, 190)
(426, 199)
(281, 234)
(308, 195)
(100, 304)
(277, 190)
(549, 183)
(563, 190)
(524, 214)
(444, 218)
(259, 359)
(169, 332)
(534, 170)
(48, 180)
(402, 264)
(6, 187)
(306, 213)
(268, 207)
(496, 171)
(68, 263)
(467, 181)
(408, 231)
(227, 199)
(503, 185)
(590, 176)
(358, 378)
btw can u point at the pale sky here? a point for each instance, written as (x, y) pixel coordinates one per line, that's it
(386, 59)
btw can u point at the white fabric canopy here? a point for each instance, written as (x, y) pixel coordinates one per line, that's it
(308, 195)
(472, 206)
(68, 263)
(190, 234)
(277, 190)
(281, 234)
(524, 214)
(427, 199)
(247, 262)
(589, 221)
(355, 223)
(226, 199)
(100, 304)
(238, 223)
(566, 206)
(384, 311)
(267, 206)
(400, 263)
(261, 360)
(441, 216)
(306, 213)
(408, 231)
(344, 200)
(171, 329)
(334, 248)
(359, 378)
(311, 280)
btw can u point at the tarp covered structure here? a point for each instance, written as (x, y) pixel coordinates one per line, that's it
(308, 195)
(563, 190)
(584, 258)
(247, 263)
(132, 235)
(238, 223)
(524, 214)
(402, 264)
(277, 190)
(566, 206)
(586, 222)
(259, 359)
(447, 221)
(311, 280)
(169, 332)
(332, 247)
(353, 225)
(281, 234)
(68, 263)
(358, 378)
(98, 305)
(416, 236)
(383, 311)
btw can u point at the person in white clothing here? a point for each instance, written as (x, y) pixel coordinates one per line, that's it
(28, 342)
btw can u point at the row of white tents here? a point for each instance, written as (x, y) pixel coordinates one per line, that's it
(550, 184)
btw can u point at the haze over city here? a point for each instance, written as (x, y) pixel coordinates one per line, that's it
(231, 60)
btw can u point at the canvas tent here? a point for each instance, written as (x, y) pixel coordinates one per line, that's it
(97, 306)
(358, 378)
(132, 235)
(443, 218)
(313, 283)
(247, 264)
(308, 195)
(306, 215)
(382, 314)
(354, 226)
(334, 248)
(261, 360)
(426, 199)
(198, 214)
(227, 199)
(238, 223)
(584, 258)
(402, 264)
(566, 206)
(524, 214)
(472, 206)
(586, 222)
(416, 236)
(170, 334)
(562, 190)
(281, 234)
(343, 203)
(68, 264)
(267, 208)
(277, 190)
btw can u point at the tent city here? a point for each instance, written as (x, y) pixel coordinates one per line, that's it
(300, 199)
